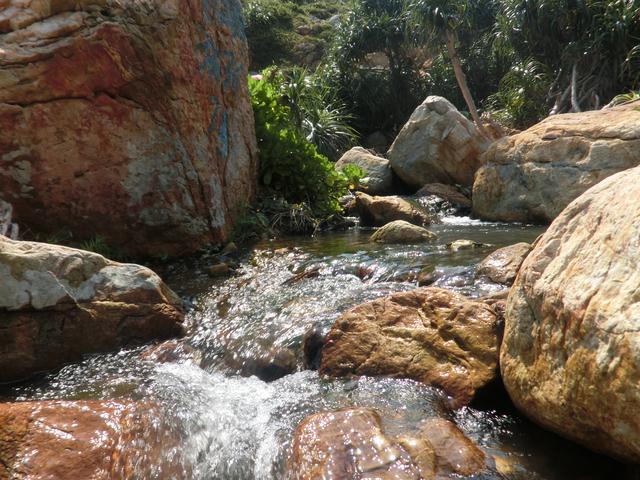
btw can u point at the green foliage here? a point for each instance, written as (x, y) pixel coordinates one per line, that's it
(625, 97)
(290, 166)
(354, 175)
(590, 46)
(98, 244)
(380, 96)
(317, 111)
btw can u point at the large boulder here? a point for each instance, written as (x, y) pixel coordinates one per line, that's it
(129, 120)
(84, 440)
(503, 265)
(429, 334)
(352, 443)
(58, 303)
(378, 211)
(402, 232)
(378, 178)
(570, 358)
(534, 175)
(437, 145)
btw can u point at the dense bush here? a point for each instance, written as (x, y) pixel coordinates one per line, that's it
(290, 166)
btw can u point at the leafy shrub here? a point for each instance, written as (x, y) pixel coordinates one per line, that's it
(290, 165)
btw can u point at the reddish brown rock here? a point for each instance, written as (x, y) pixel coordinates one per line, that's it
(58, 303)
(378, 211)
(128, 120)
(534, 175)
(571, 348)
(429, 334)
(351, 443)
(503, 265)
(82, 440)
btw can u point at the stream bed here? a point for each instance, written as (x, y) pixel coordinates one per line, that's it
(234, 389)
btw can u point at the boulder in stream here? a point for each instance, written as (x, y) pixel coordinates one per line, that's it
(59, 303)
(431, 335)
(72, 440)
(534, 175)
(378, 178)
(402, 232)
(130, 120)
(571, 348)
(378, 211)
(351, 443)
(437, 145)
(503, 265)
(448, 193)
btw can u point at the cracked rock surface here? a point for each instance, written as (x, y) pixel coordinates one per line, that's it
(127, 119)
(98, 440)
(534, 175)
(570, 357)
(352, 443)
(431, 335)
(58, 303)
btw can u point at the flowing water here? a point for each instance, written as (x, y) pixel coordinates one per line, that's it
(242, 379)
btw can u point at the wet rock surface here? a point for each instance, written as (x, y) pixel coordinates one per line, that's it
(437, 145)
(58, 303)
(128, 120)
(503, 265)
(534, 175)
(429, 334)
(352, 443)
(569, 358)
(84, 439)
(448, 193)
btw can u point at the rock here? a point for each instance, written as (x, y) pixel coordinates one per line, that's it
(83, 440)
(351, 443)
(229, 249)
(455, 454)
(59, 303)
(7, 227)
(172, 351)
(446, 192)
(402, 232)
(464, 244)
(129, 120)
(570, 353)
(437, 145)
(378, 179)
(429, 334)
(534, 175)
(378, 211)
(218, 270)
(502, 265)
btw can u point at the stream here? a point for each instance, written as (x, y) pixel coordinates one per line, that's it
(234, 389)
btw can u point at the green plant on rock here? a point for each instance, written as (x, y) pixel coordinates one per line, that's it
(290, 165)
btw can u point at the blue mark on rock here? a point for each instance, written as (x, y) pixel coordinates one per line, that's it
(225, 12)
(211, 57)
(223, 136)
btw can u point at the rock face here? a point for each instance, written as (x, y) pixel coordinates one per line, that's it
(570, 353)
(378, 211)
(534, 175)
(85, 439)
(402, 232)
(503, 265)
(129, 120)
(437, 145)
(58, 303)
(351, 443)
(429, 334)
(379, 177)
(446, 192)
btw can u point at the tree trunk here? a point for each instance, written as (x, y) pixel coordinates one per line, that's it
(462, 81)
